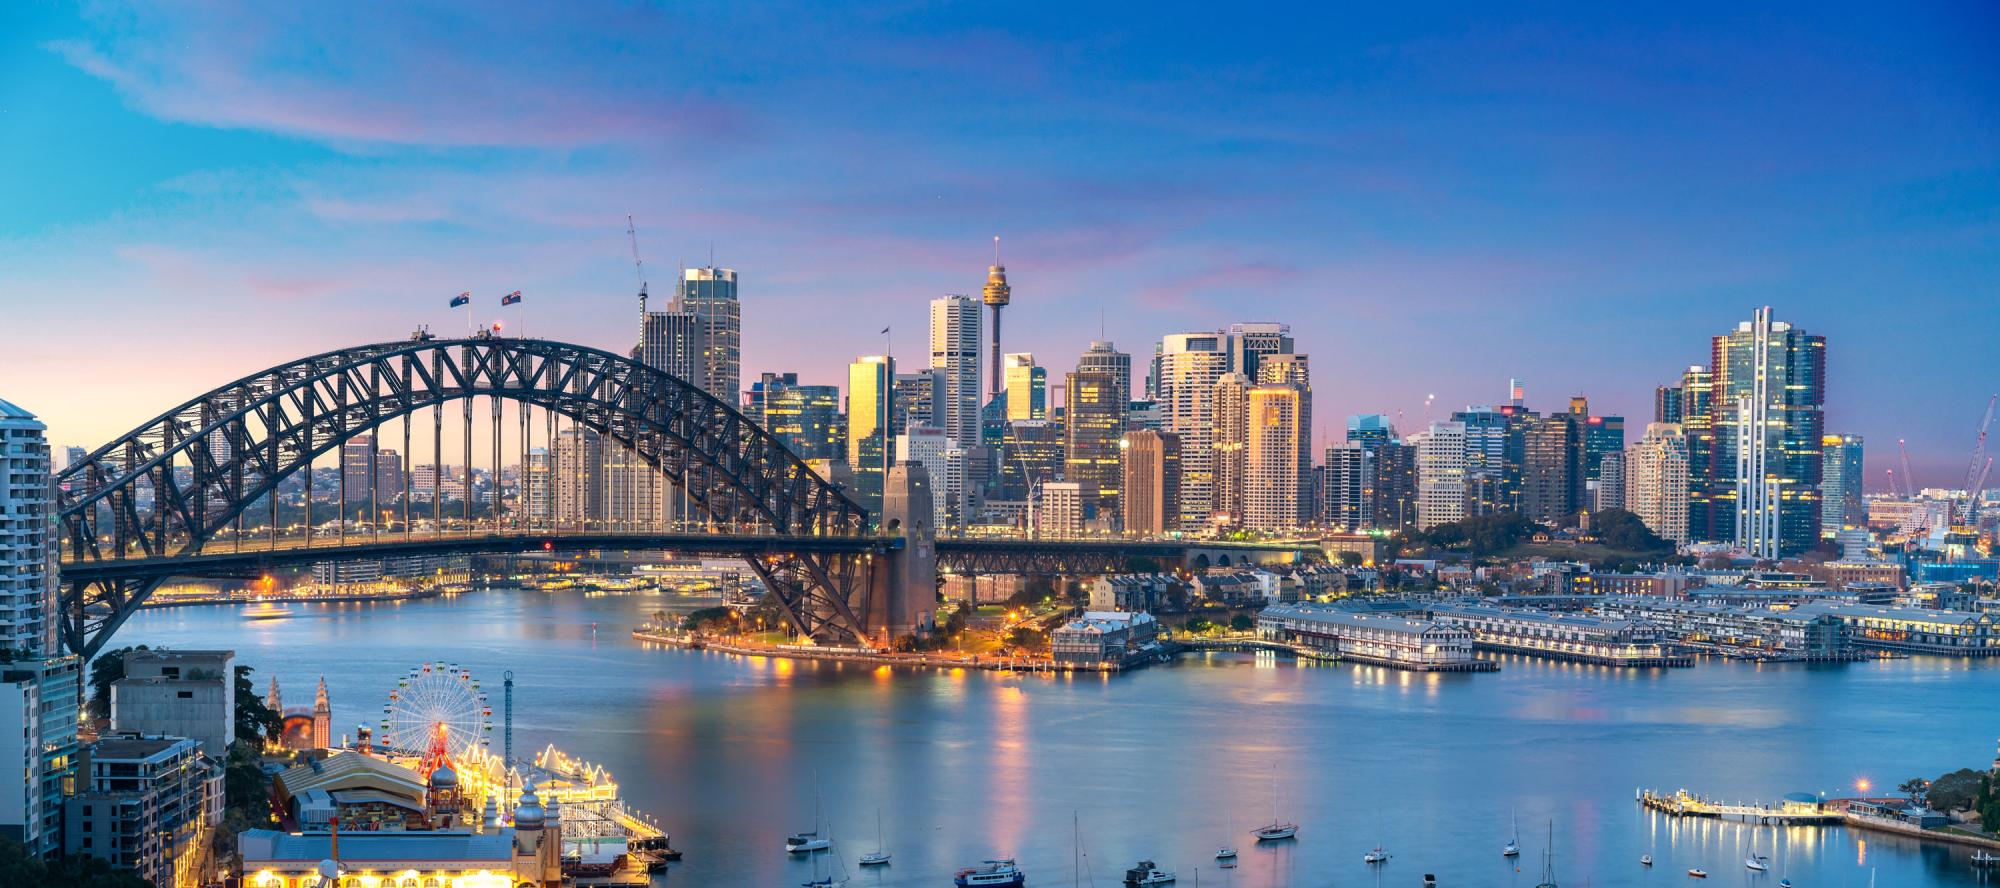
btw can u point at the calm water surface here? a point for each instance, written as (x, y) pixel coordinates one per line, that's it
(1170, 762)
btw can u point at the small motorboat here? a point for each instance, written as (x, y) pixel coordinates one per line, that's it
(1784, 883)
(1430, 881)
(1376, 856)
(996, 873)
(1225, 853)
(1145, 873)
(1697, 873)
(1645, 860)
(1757, 862)
(1227, 864)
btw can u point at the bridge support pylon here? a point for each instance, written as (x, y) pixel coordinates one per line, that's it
(905, 583)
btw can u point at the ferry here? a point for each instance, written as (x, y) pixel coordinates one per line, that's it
(997, 873)
(265, 610)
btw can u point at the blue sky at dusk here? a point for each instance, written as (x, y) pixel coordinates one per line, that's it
(1434, 199)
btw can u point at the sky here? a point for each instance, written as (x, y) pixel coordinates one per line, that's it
(1435, 198)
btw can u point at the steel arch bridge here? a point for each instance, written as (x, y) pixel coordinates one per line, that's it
(168, 491)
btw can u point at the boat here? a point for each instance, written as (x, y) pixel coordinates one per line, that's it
(1784, 883)
(265, 610)
(1981, 858)
(1549, 860)
(878, 856)
(1146, 873)
(1278, 828)
(808, 842)
(1697, 873)
(999, 872)
(1757, 862)
(1513, 846)
(1376, 856)
(831, 880)
(1645, 860)
(1430, 881)
(1227, 853)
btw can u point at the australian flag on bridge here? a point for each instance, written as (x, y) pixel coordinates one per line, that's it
(461, 299)
(510, 299)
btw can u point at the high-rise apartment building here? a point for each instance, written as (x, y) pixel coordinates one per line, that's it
(1697, 402)
(1232, 441)
(1103, 357)
(27, 551)
(1494, 438)
(1551, 487)
(1026, 387)
(805, 418)
(1395, 493)
(676, 341)
(1063, 510)
(1189, 366)
(1841, 505)
(955, 350)
(359, 456)
(870, 395)
(1441, 473)
(579, 478)
(708, 294)
(1609, 489)
(1770, 388)
(1093, 422)
(1292, 369)
(1656, 480)
(146, 803)
(944, 462)
(1276, 483)
(1667, 403)
(635, 492)
(1152, 482)
(39, 686)
(1346, 480)
(1251, 342)
(538, 495)
(1034, 449)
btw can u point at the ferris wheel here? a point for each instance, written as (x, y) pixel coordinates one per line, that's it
(433, 696)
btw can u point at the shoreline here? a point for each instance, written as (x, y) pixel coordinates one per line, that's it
(881, 658)
(314, 599)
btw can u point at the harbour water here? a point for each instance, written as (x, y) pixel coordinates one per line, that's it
(729, 752)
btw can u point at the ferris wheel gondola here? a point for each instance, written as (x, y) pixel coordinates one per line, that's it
(436, 697)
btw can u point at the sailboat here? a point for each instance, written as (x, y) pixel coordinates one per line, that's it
(807, 842)
(1549, 860)
(831, 880)
(878, 856)
(1277, 829)
(1513, 846)
(1376, 856)
(1227, 853)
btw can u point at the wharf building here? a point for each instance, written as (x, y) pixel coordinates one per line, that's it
(1916, 630)
(1754, 632)
(1580, 638)
(1397, 642)
(1100, 636)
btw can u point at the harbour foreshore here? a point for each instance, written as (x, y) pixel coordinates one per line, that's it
(878, 658)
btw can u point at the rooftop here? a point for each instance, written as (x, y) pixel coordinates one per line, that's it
(358, 849)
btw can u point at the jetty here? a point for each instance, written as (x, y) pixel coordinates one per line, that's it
(1793, 809)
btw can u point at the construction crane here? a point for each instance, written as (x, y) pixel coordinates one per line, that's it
(1977, 467)
(638, 266)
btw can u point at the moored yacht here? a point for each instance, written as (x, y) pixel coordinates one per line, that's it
(1144, 873)
(999, 872)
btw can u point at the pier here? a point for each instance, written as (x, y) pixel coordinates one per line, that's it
(1793, 810)
(1324, 655)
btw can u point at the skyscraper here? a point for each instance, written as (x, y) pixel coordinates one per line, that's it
(1190, 364)
(1293, 369)
(1103, 357)
(944, 461)
(1345, 485)
(955, 350)
(1656, 480)
(26, 551)
(806, 418)
(579, 487)
(1275, 484)
(1770, 386)
(1441, 473)
(1152, 480)
(1251, 341)
(1232, 440)
(1026, 387)
(675, 341)
(709, 295)
(1697, 401)
(1034, 449)
(1093, 421)
(919, 401)
(1841, 505)
(538, 496)
(1609, 492)
(997, 294)
(1552, 469)
(40, 686)
(1395, 493)
(870, 388)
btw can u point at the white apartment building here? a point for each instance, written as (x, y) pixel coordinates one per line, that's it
(1656, 480)
(1441, 467)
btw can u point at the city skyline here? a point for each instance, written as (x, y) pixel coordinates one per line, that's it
(1632, 198)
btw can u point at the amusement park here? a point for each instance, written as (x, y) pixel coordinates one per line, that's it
(424, 799)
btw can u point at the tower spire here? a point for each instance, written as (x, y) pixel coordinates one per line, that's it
(997, 294)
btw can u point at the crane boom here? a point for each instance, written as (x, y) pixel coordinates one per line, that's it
(638, 266)
(1975, 465)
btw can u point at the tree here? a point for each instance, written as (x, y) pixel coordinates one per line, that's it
(708, 618)
(1351, 559)
(1241, 623)
(107, 668)
(18, 867)
(1622, 530)
(1955, 791)
(255, 720)
(1027, 638)
(1915, 788)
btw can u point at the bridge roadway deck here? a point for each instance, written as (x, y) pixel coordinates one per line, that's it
(987, 554)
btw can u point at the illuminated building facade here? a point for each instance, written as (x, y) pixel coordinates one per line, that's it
(1770, 388)
(870, 391)
(1150, 490)
(708, 295)
(1841, 503)
(1026, 387)
(805, 418)
(1657, 483)
(1093, 421)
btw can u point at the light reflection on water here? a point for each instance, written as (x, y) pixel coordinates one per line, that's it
(729, 751)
